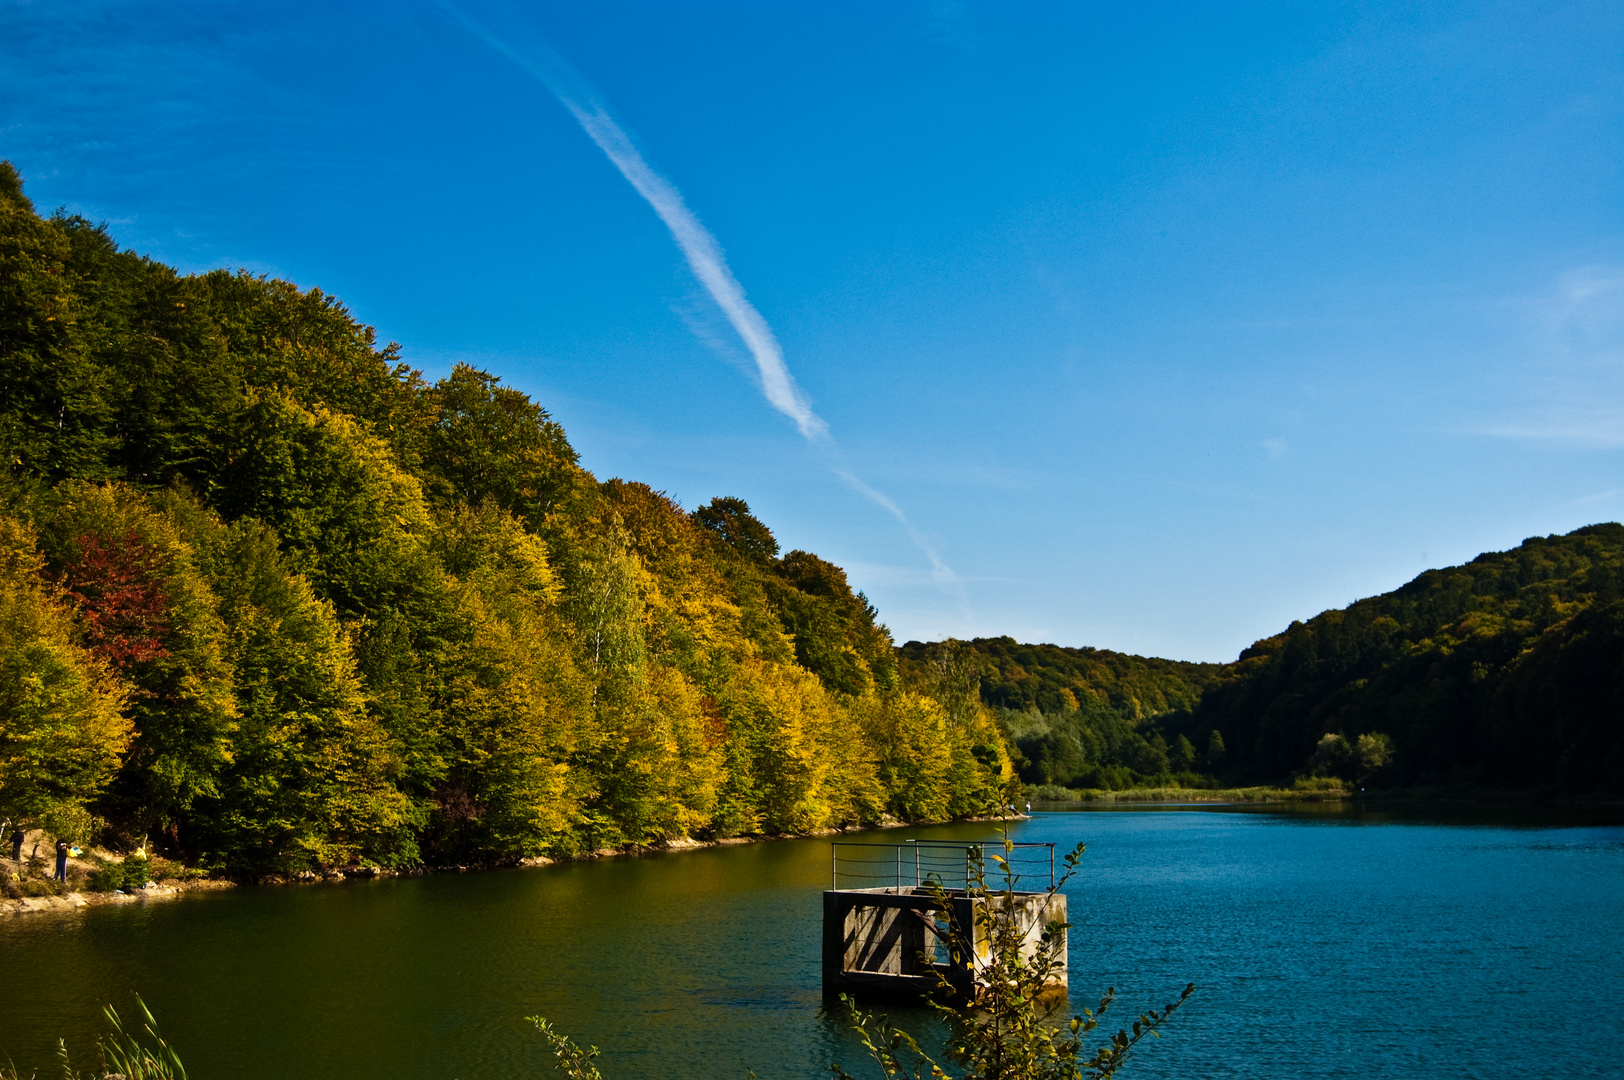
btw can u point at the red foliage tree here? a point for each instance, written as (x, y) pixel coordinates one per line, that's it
(117, 583)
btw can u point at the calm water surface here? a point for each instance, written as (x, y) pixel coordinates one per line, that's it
(1327, 942)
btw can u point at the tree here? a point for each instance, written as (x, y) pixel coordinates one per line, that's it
(604, 599)
(731, 521)
(62, 728)
(150, 614)
(1333, 756)
(350, 519)
(1182, 756)
(303, 343)
(510, 712)
(312, 778)
(1373, 756)
(355, 525)
(492, 442)
(56, 413)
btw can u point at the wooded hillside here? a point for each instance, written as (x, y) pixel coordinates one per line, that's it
(1506, 673)
(273, 601)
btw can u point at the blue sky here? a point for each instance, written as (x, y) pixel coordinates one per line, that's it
(1149, 327)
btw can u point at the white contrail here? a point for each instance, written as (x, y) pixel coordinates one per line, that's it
(940, 572)
(703, 253)
(704, 257)
(709, 265)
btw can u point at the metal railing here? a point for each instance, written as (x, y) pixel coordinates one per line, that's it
(912, 863)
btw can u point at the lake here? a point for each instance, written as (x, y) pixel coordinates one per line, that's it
(1327, 941)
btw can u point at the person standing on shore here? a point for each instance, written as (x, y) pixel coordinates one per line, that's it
(61, 860)
(17, 839)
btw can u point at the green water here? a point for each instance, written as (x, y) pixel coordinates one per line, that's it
(1326, 943)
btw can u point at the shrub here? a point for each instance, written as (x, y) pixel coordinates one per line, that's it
(107, 877)
(38, 886)
(136, 871)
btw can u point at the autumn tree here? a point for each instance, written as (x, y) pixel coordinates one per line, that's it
(62, 728)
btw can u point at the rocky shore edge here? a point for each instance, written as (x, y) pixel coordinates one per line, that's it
(73, 901)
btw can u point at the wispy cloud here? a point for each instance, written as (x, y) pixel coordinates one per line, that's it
(1600, 429)
(1599, 497)
(1573, 381)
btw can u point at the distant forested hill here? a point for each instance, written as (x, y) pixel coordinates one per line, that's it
(274, 601)
(1086, 717)
(1506, 673)
(1052, 678)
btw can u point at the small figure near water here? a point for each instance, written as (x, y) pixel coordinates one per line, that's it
(17, 839)
(62, 860)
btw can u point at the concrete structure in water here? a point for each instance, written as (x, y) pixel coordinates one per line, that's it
(884, 941)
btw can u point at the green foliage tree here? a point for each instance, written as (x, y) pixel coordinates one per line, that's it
(491, 442)
(508, 718)
(311, 780)
(836, 632)
(305, 344)
(731, 521)
(56, 416)
(356, 526)
(1182, 756)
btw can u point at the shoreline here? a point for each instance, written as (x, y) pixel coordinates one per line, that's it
(170, 888)
(1263, 794)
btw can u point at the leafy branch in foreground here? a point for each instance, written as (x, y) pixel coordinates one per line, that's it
(573, 1061)
(1009, 1029)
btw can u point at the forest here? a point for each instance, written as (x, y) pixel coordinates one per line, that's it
(271, 601)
